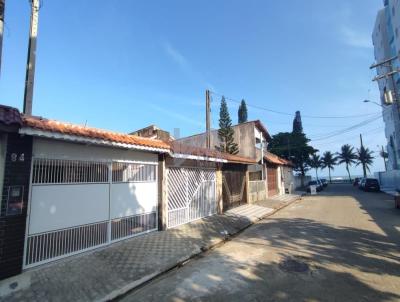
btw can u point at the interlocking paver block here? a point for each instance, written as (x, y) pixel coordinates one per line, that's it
(94, 275)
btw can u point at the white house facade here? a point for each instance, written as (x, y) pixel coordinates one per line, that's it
(386, 40)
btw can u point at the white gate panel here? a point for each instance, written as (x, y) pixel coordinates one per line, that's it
(80, 204)
(191, 194)
(128, 199)
(55, 207)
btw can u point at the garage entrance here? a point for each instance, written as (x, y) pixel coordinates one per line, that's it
(78, 205)
(191, 194)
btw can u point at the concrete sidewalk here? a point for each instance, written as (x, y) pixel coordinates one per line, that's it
(279, 201)
(105, 274)
(390, 190)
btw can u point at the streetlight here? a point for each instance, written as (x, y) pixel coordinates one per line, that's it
(369, 101)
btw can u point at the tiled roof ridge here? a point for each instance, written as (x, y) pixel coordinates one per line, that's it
(51, 125)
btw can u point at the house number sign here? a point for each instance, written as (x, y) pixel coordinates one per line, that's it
(15, 157)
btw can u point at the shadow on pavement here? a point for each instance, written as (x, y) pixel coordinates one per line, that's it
(344, 263)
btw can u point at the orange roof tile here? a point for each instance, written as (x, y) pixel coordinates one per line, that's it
(274, 159)
(39, 123)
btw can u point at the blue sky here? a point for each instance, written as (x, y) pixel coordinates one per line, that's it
(123, 65)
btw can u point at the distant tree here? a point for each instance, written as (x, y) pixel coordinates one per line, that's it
(328, 161)
(293, 147)
(347, 156)
(242, 112)
(225, 131)
(315, 162)
(364, 158)
(297, 124)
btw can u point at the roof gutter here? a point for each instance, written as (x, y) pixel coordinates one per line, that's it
(94, 141)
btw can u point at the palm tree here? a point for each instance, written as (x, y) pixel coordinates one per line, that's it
(364, 158)
(315, 162)
(347, 156)
(328, 161)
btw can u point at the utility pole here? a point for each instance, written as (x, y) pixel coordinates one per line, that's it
(208, 126)
(384, 159)
(31, 62)
(2, 7)
(362, 147)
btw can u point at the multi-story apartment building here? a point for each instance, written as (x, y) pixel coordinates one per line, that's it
(386, 40)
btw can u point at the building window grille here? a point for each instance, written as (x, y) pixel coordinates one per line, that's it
(132, 172)
(60, 171)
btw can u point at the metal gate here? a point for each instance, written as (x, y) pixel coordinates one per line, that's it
(233, 189)
(191, 194)
(78, 205)
(272, 181)
(257, 191)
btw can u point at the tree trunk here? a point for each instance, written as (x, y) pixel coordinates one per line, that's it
(302, 177)
(348, 171)
(364, 170)
(316, 172)
(330, 179)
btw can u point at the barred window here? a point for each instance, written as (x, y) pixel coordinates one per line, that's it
(68, 171)
(131, 172)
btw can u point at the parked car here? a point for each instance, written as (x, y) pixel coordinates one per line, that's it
(361, 183)
(313, 183)
(356, 181)
(324, 182)
(371, 184)
(321, 185)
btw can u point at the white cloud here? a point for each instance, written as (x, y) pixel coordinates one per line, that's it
(176, 56)
(355, 38)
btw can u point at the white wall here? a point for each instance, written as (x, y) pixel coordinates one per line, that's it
(389, 179)
(297, 181)
(381, 37)
(65, 150)
(129, 199)
(55, 207)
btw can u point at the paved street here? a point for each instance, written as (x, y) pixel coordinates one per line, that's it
(343, 245)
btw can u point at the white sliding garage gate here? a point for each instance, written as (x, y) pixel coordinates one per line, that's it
(77, 205)
(191, 194)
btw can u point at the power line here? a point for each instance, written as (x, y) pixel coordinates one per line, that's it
(291, 114)
(372, 131)
(318, 146)
(345, 130)
(340, 132)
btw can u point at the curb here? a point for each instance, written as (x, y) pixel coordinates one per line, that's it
(119, 293)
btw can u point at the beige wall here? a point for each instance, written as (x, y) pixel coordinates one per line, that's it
(244, 136)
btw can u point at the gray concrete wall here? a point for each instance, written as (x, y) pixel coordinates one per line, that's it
(244, 136)
(389, 180)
